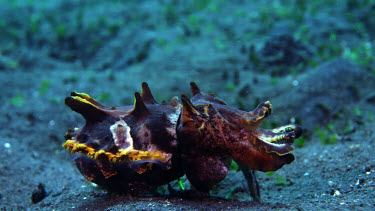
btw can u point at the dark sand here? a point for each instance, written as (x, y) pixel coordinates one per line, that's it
(320, 74)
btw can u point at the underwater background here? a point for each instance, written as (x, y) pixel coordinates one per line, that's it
(313, 60)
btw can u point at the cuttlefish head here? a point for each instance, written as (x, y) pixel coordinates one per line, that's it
(212, 125)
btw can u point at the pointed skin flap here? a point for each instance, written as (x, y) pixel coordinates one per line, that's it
(140, 110)
(194, 88)
(146, 94)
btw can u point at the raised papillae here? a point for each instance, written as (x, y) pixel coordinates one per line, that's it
(134, 149)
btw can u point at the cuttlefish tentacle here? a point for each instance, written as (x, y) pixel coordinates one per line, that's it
(278, 138)
(287, 128)
(252, 120)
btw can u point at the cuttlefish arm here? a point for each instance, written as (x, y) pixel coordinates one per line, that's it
(266, 150)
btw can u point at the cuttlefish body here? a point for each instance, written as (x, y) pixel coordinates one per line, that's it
(136, 148)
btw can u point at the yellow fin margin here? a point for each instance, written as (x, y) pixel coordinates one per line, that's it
(121, 156)
(83, 100)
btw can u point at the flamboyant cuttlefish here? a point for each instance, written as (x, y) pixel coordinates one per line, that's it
(136, 148)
